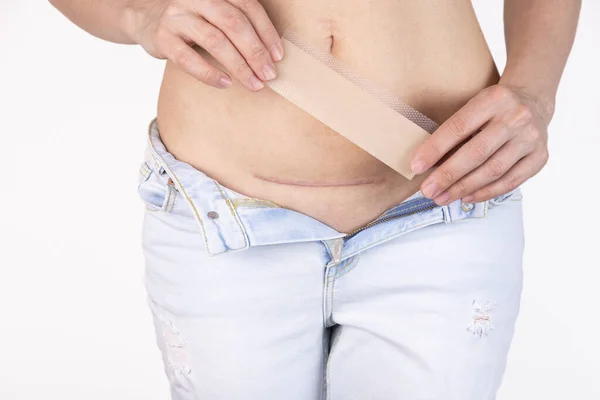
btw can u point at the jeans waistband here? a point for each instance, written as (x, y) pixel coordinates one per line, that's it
(231, 221)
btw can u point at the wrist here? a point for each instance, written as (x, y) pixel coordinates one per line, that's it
(543, 99)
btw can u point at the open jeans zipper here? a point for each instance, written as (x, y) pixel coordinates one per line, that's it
(402, 210)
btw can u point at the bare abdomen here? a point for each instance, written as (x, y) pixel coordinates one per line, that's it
(431, 54)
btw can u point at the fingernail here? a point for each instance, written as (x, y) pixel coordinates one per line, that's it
(256, 83)
(442, 198)
(418, 166)
(430, 190)
(468, 199)
(225, 81)
(276, 52)
(269, 72)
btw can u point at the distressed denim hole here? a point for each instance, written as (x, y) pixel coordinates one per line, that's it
(481, 324)
(176, 358)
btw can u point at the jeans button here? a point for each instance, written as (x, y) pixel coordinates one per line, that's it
(466, 207)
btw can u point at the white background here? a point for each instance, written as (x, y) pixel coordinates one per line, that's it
(73, 319)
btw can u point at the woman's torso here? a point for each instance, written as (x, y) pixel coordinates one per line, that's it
(431, 54)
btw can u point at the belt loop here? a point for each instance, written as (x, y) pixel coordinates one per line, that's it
(447, 214)
(479, 210)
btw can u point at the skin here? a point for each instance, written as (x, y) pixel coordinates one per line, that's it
(237, 33)
(506, 124)
(494, 131)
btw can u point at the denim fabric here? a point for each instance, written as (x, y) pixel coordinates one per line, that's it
(252, 300)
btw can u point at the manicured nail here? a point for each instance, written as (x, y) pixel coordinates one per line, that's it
(225, 81)
(269, 72)
(277, 52)
(430, 190)
(418, 166)
(442, 198)
(256, 83)
(468, 199)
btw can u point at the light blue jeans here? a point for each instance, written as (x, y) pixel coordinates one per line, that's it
(254, 301)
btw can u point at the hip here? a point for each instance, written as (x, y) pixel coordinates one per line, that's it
(230, 220)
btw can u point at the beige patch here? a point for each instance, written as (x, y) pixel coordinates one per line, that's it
(372, 119)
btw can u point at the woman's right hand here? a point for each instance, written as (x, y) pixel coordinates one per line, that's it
(237, 33)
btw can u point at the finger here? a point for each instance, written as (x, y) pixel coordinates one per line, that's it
(467, 158)
(221, 49)
(496, 166)
(476, 112)
(262, 25)
(236, 26)
(191, 62)
(524, 169)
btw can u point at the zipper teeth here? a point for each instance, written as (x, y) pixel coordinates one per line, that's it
(428, 207)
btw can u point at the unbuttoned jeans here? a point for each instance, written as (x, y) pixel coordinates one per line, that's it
(255, 301)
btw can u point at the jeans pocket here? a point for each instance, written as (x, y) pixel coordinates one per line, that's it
(156, 188)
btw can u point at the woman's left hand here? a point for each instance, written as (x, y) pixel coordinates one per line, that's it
(508, 144)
